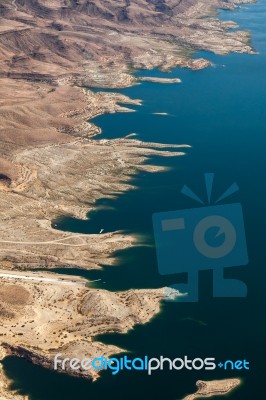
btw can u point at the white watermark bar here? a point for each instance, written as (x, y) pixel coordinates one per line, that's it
(145, 363)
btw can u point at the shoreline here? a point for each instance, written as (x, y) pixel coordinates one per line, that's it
(73, 142)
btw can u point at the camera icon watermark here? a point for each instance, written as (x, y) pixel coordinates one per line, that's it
(211, 237)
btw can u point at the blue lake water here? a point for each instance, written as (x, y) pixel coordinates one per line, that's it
(220, 112)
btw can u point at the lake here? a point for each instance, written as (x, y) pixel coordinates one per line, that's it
(221, 113)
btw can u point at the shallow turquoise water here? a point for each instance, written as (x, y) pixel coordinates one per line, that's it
(220, 112)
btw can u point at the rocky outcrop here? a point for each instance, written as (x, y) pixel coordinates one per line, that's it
(207, 389)
(66, 317)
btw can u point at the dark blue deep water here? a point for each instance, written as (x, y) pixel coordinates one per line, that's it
(221, 113)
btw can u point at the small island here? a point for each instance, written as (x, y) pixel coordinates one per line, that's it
(159, 80)
(208, 389)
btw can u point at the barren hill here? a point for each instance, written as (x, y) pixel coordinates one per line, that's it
(42, 40)
(47, 44)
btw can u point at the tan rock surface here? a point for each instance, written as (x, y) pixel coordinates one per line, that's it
(44, 319)
(207, 389)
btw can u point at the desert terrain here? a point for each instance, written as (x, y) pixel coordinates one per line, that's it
(51, 54)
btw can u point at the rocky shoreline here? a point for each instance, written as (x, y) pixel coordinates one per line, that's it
(49, 164)
(45, 130)
(42, 319)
